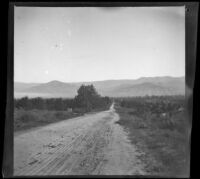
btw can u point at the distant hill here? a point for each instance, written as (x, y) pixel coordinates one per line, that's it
(19, 86)
(113, 88)
(142, 90)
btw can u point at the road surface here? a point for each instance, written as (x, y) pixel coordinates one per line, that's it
(92, 144)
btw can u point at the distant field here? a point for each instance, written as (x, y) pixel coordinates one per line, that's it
(160, 128)
(27, 119)
(30, 95)
(18, 95)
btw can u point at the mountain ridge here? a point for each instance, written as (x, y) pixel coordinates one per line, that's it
(124, 79)
(114, 88)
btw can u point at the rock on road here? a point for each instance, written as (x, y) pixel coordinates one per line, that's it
(92, 144)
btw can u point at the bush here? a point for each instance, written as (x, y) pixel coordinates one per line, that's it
(25, 119)
(24, 116)
(61, 115)
(154, 104)
(43, 104)
(79, 110)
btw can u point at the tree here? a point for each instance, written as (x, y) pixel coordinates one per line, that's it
(87, 98)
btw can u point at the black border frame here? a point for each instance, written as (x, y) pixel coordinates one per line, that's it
(191, 23)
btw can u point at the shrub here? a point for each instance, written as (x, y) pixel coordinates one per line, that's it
(61, 115)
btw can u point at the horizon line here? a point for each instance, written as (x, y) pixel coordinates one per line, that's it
(106, 79)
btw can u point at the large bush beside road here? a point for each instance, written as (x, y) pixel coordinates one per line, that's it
(33, 112)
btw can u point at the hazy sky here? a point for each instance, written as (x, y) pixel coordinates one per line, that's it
(73, 44)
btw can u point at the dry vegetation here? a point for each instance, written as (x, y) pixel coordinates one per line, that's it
(158, 126)
(34, 112)
(26, 119)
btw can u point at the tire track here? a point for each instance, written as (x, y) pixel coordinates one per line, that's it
(92, 144)
(94, 152)
(60, 151)
(32, 169)
(45, 164)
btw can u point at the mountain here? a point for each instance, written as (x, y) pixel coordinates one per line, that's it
(142, 89)
(54, 87)
(19, 86)
(113, 88)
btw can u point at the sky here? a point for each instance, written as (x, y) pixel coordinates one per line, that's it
(73, 44)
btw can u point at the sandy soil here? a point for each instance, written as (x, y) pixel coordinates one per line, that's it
(92, 144)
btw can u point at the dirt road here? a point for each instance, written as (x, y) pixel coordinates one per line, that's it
(89, 145)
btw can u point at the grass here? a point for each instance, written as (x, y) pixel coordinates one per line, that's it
(165, 144)
(27, 119)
